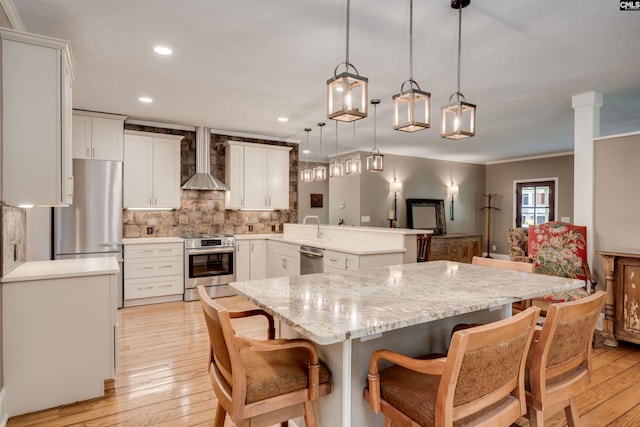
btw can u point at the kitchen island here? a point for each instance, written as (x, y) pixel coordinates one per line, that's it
(408, 308)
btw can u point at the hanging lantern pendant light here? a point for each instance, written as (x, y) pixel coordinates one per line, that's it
(320, 171)
(347, 93)
(353, 165)
(306, 174)
(413, 102)
(336, 168)
(458, 119)
(375, 159)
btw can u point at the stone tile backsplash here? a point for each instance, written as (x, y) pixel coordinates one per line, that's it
(203, 212)
(14, 232)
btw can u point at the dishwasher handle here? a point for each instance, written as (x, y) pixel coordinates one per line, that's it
(318, 253)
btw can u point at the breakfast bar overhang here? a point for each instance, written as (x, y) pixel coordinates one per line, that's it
(408, 308)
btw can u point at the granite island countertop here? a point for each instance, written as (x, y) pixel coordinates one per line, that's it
(333, 307)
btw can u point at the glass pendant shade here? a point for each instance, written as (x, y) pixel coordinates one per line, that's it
(347, 96)
(336, 169)
(306, 175)
(411, 109)
(319, 173)
(458, 120)
(353, 166)
(375, 162)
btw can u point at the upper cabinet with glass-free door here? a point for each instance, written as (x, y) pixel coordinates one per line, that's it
(98, 136)
(257, 176)
(36, 84)
(151, 173)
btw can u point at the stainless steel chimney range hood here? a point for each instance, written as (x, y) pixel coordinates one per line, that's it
(202, 179)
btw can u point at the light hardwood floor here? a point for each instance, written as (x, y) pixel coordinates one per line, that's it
(162, 377)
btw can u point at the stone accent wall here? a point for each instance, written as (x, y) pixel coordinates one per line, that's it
(203, 212)
(14, 232)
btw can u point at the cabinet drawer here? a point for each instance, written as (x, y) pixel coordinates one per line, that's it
(153, 250)
(153, 287)
(335, 259)
(286, 249)
(162, 266)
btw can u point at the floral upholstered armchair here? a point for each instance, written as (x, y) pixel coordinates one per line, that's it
(560, 249)
(518, 244)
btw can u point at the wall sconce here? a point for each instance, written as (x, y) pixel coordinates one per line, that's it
(452, 190)
(395, 187)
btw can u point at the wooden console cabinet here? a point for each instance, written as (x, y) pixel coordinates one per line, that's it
(622, 302)
(455, 247)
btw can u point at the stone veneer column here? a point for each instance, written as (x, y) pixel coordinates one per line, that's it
(586, 127)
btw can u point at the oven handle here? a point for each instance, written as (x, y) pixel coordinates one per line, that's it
(209, 251)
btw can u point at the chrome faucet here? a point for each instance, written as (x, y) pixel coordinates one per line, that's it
(317, 218)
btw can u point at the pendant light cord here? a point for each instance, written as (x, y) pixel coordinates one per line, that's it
(307, 159)
(320, 149)
(336, 140)
(459, 44)
(375, 121)
(348, 15)
(411, 42)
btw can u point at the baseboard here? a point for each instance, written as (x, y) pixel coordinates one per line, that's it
(4, 417)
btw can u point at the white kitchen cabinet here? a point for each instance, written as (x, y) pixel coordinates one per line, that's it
(257, 175)
(283, 259)
(59, 332)
(340, 261)
(251, 259)
(98, 136)
(36, 75)
(151, 170)
(153, 272)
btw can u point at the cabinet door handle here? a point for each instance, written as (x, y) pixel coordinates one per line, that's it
(146, 251)
(88, 152)
(284, 263)
(144, 288)
(150, 200)
(155, 200)
(269, 199)
(93, 152)
(165, 266)
(165, 250)
(145, 268)
(165, 286)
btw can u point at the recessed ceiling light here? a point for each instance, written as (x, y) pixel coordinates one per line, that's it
(162, 50)
(145, 99)
(283, 119)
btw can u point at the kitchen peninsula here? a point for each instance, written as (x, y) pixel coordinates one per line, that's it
(408, 308)
(59, 332)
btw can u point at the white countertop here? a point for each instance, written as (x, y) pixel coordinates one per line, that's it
(40, 270)
(354, 247)
(332, 307)
(143, 240)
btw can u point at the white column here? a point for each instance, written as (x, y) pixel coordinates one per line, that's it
(586, 108)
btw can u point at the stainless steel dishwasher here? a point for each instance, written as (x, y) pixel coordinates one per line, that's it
(311, 260)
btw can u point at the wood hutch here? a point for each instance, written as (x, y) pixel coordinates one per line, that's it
(622, 302)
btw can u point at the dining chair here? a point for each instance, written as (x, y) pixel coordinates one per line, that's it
(517, 241)
(559, 362)
(480, 381)
(524, 267)
(260, 382)
(424, 247)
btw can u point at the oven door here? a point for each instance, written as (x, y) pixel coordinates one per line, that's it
(210, 266)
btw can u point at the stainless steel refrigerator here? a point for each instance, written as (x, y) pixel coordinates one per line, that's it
(92, 226)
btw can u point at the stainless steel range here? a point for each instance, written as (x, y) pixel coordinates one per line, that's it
(209, 260)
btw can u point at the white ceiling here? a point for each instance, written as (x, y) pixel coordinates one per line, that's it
(238, 65)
